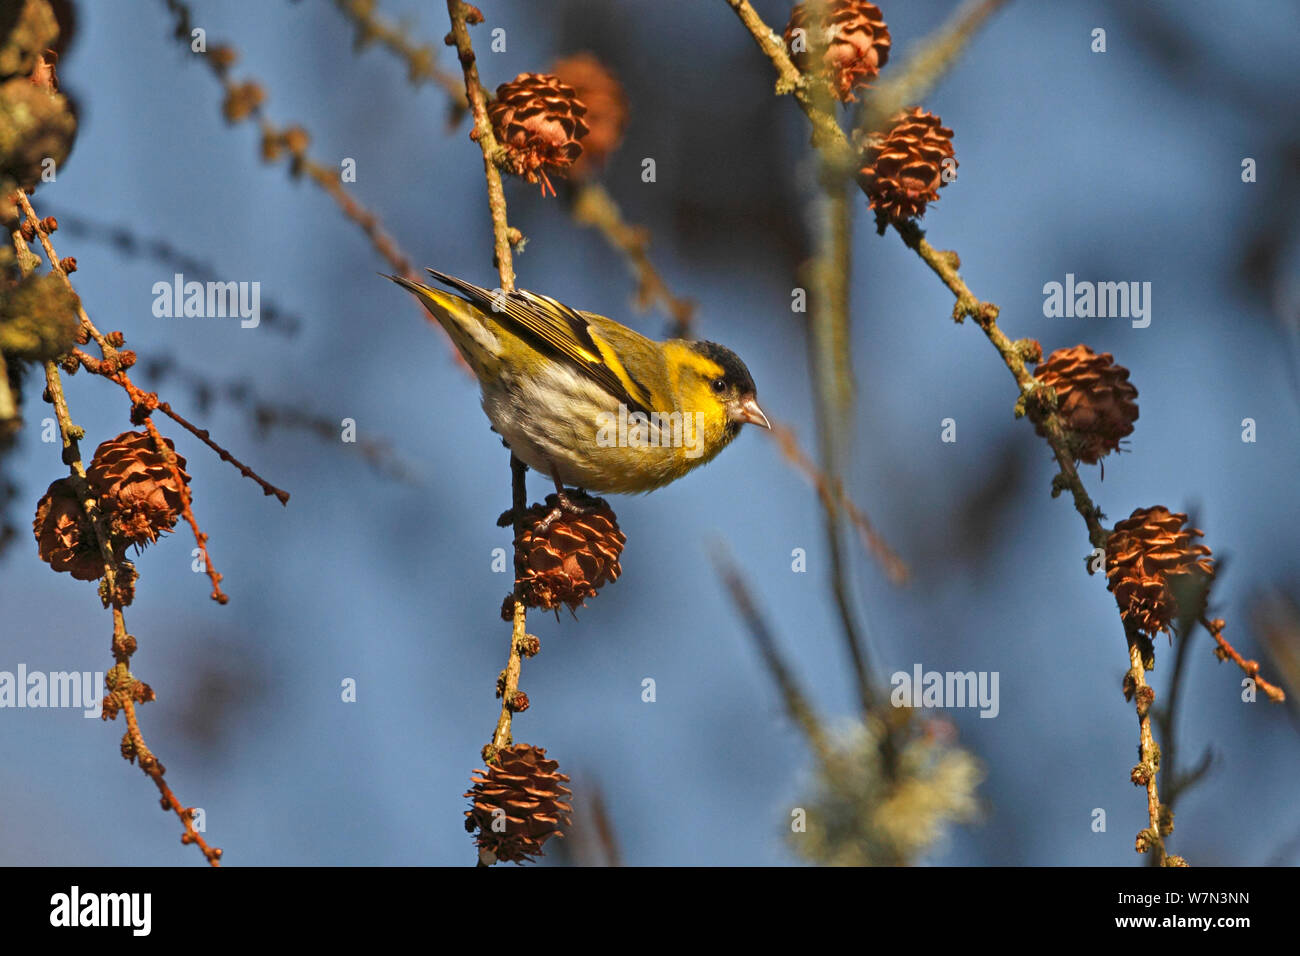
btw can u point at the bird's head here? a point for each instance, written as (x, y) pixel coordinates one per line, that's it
(713, 380)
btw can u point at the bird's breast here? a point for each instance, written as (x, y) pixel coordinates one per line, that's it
(559, 421)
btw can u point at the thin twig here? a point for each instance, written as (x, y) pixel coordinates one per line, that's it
(421, 64)
(1226, 652)
(796, 701)
(604, 827)
(832, 377)
(508, 685)
(154, 769)
(945, 265)
(895, 567)
(592, 205)
(148, 401)
(327, 178)
(187, 510)
(1145, 773)
(829, 324)
(292, 141)
(1166, 719)
(502, 737)
(462, 14)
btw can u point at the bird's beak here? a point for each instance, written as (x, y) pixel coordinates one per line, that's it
(747, 410)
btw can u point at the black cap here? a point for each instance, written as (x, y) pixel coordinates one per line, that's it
(734, 371)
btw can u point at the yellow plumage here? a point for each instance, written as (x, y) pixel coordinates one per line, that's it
(586, 400)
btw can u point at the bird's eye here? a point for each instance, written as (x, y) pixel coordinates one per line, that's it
(719, 385)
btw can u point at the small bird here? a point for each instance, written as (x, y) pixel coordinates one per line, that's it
(586, 400)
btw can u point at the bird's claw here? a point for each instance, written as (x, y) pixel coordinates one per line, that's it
(564, 505)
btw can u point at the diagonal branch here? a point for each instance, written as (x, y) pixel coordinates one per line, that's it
(797, 705)
(421, 64)
(895, 567)
(1226, 652)
(591, 205)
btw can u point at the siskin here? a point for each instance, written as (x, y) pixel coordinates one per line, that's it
(586, 400)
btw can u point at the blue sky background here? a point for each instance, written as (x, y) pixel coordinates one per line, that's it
(1115, 166)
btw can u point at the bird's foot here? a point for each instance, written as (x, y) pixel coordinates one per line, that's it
(567, 505)
(578, 503)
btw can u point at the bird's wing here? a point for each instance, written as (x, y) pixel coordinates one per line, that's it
(560, 330)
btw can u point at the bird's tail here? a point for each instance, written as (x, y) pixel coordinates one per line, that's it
(465, 324)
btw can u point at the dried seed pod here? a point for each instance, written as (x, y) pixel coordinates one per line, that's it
(1094, 398)
(136, 487)
(64, 535)
(572, 559)
(538, 120)
(902, 169)
(854, 41)
(518, 803)
(1152, 566)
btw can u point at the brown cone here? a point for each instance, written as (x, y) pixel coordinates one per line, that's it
(599, 89)
(64, 536)
(529, 794)
(1149, 557)
(1094, 397)
(572, 559)
(902, 169)
(856, 47)
(136, 487)
(539, 121)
